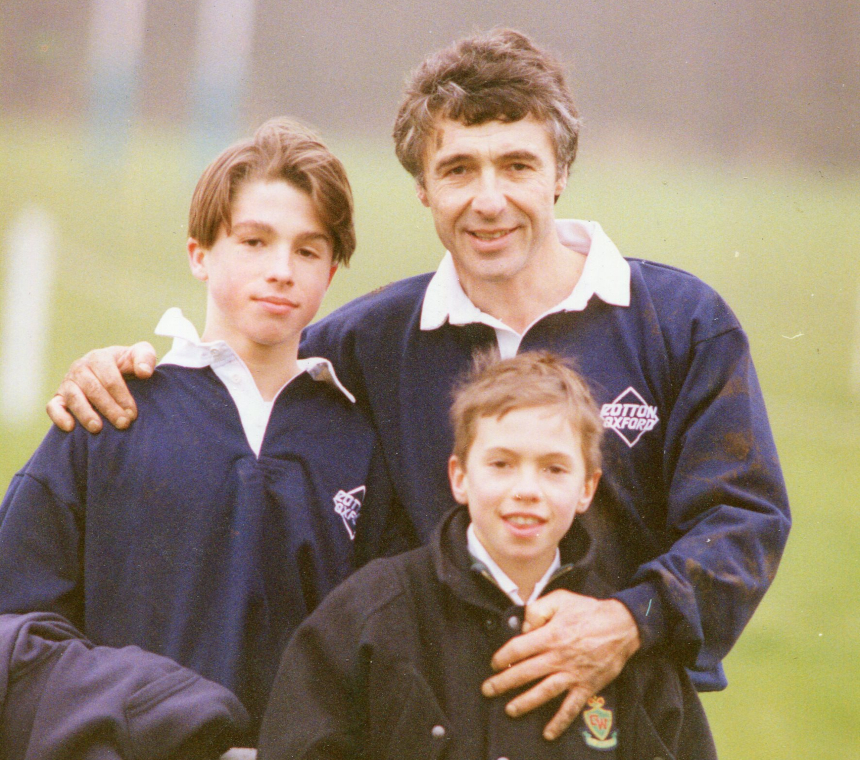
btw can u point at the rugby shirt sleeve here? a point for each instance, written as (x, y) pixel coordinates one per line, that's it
(727, 509)
(41, 531)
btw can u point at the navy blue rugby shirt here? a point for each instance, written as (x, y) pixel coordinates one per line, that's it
(691, 472)
(176, 537)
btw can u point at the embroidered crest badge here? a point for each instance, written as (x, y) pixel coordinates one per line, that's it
(599, 723)
(630, 416)
(348, 505)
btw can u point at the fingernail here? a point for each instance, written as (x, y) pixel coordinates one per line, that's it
(512, 711)
(487, 690)
(146, 367)
(549, 735)
(122, 422)
(129, 413)
(93, 427)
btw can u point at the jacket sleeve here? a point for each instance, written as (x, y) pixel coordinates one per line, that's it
(727, 512)
(41, 530)
(64, 697)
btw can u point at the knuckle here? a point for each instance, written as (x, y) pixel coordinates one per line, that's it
(556, 684)
(75, 368)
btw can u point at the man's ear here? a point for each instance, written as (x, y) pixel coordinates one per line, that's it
(331, 273)
(457, 476)
(421, 192)
(197, 259)
(561, 182)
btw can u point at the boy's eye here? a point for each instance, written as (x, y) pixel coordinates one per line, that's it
(556, 469)
(498, 464)
(518, 167)
(252, 242)
(308, 253)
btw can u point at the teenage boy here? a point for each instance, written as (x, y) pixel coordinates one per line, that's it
(210, 530)
(489, 130)
(391, 664)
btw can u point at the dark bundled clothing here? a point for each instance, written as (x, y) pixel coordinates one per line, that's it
(391, 664)
(62, 697)
(175, 537)
(690, 466)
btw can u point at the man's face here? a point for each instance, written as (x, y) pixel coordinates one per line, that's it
(524, 480)
(491, 188)
(268, 275)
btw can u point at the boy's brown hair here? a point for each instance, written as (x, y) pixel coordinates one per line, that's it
(499, 75)
(532, 379)
(281, 149)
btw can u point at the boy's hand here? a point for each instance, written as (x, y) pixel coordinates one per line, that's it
(573, 643)
(96, 379)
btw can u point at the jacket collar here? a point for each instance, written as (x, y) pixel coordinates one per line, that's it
(455, 568)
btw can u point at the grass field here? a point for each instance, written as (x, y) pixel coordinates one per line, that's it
(780, 245)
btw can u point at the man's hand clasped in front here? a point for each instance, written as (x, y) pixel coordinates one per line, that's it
(570, 643)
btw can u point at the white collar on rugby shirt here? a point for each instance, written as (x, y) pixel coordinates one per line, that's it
(478, 552)
(189, 351)
(605, 274)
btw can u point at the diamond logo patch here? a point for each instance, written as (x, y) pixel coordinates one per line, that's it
(348, 505)
(630, 416)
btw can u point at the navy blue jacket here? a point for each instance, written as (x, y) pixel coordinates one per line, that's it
(689, 460)
(391, 664)
(173, 536)
(62, 697)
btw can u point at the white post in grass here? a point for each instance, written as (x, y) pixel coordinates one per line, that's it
(30, 246)
(225, 30)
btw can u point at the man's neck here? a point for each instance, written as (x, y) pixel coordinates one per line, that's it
(518, 301)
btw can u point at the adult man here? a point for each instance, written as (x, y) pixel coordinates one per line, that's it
(488, 129)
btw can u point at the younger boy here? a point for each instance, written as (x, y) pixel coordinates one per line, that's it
(392, 663)
(207, 532)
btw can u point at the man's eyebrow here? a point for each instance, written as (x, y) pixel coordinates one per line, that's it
(521, 155)
(452, 160)
(516, 154)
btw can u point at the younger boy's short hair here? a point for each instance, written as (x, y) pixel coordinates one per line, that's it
(496, 386)
(499, 75)
(281, 149)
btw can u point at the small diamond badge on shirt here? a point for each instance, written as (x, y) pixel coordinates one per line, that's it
(348, 505)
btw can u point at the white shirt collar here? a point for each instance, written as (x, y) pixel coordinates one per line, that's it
(606, 274)
(478, 552)
(189, 351)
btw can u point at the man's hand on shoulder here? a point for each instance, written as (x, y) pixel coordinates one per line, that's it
(95, 382)
(570, 643)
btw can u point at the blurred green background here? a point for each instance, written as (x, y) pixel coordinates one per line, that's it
(725, 142)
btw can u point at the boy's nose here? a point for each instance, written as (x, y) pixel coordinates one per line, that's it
(526, 487)
(280, 266)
